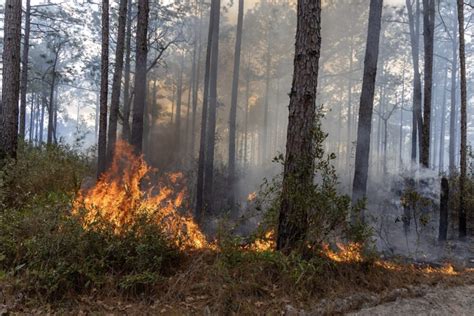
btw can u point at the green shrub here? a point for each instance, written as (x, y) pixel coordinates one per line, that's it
(40, 171)
(48, 250)
(54, 254)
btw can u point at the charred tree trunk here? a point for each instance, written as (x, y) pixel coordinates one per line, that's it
(299, 162)
(233, 107)
(24, 69)
(104, 85)
(11, 79)
(196, 76)
(414, 24)
(140, 75)
(463, 160)
(428, 39)
(200, 207)
(211, 131)
(359, 189)
(443, 210)
(127, 101)
(117, 80)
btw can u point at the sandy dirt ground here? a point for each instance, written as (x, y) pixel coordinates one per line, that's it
(437, 301)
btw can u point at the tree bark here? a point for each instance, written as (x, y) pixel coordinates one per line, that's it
(140, 75)
(196, 76)
(51, 109)
(104, 85)
(24, 69)
(11, 79)
(428, 39)
(453, 112)
(414, 25)
(200, 207)
(443, 123)
(211, 131)
(359, 188)
(126, 85)
(463, 160)
(299, 162)
(117, 80)
(443, 210)
(233, 108)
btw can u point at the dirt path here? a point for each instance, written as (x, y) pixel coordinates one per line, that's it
(437, 301)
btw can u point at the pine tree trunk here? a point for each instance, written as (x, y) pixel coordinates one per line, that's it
(414, 24)
(233, 107)
(24, 69)
(428, 38)
(443, 123)
(117, 80)
(140, 75)
(299, 162)
(359, 189)
(200, 206)
(211, 132)
(51, 109)
(10, 79)
(463, 160)
(104, 85)
(196, 80)
(126, 85)
(453, 112)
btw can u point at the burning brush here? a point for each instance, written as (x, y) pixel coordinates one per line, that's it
(118, 198)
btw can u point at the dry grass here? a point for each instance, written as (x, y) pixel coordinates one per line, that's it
(244, 282)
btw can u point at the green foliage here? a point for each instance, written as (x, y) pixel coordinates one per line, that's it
(41, 171)
(54, 254)
(329, 211)
(49, 250)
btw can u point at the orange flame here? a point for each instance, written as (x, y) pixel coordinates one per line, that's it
(266, 243)
(351, 252)
(118, 198)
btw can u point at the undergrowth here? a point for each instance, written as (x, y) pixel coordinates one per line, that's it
(48, 255)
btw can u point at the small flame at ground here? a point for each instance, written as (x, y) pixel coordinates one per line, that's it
(351, 252)
(119, 199)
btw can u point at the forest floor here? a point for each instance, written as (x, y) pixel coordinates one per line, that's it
(423, 300)
(409, 293)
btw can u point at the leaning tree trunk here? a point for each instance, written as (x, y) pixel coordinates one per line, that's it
(140, 75)
(200, 207)
(117, 80)
(463, 162)
(11, 79)
(299, 162)
(428, 38)
(24, 69)
(126, 85)
(233, 107)
(211, 131)
(104, 84)
(359, 188)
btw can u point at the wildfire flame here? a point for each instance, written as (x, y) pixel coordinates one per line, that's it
(118, 198)
(351, 252)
